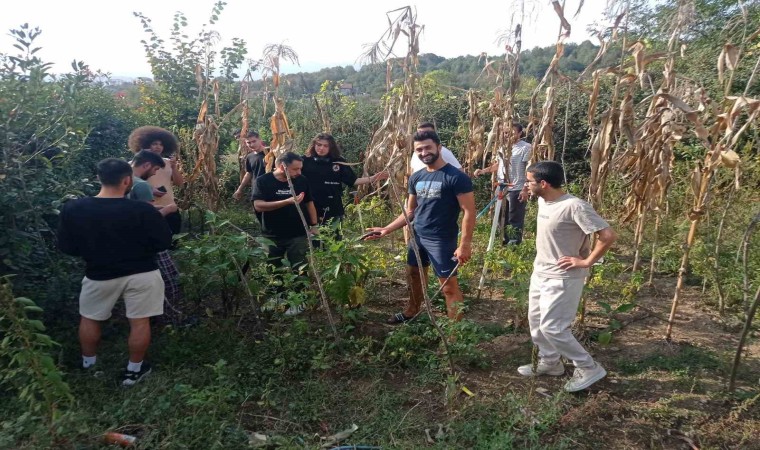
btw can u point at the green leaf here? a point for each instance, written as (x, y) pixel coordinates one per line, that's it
(25, 301)
(606, 306)
(37, 324)
(605, 337)
(625, 307)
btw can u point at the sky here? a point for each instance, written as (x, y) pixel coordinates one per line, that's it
(106, 35)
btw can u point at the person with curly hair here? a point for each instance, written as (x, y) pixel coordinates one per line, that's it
(164, 143)
(327, 171)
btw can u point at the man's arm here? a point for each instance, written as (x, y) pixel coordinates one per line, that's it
(246, 182)
(490, 169)
(397, 223)
(371, 179)
(265, 206)
(312, 213)
(467, 204)
(66, 242)
(604, 240)
(168, 209)
(157, 231)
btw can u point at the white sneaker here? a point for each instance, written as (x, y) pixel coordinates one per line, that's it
(542, 368)
(583, 378)
(295, 310)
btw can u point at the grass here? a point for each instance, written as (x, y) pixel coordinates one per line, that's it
(217, 383)
(685, 359)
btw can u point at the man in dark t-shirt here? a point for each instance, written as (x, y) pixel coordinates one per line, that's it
(118, 238)
(278, 213)
(436, 194)
(255, 166)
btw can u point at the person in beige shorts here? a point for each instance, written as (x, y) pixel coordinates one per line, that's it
(118, 238)
(143, 295)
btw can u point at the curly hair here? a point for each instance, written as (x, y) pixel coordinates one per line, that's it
(334, 152)
(141, 138)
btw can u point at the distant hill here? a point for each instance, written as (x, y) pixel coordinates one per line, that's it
(464, 71)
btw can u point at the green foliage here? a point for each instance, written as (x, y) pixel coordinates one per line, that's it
(28, 369)
(56, 129)
(213, 262)
(606, 282)
(417, 344)
(344, 268)
(184, 73)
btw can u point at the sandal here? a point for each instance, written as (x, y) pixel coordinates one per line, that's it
(397, 319)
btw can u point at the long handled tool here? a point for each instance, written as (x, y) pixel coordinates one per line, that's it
(494, 226)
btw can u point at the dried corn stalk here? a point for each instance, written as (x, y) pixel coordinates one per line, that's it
(391, 145)
(476, 132)
(719, 130)
(502, 105)
(647, 160)
(242, 152)
(543, 142)
(282, 137)
(604, 136)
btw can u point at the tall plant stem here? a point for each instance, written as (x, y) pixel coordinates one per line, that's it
(312, 261)
(655, 239)
(681, 276)
(426, 298)
(716, 254)
(752, 309)
(564, 139)
(639, 237)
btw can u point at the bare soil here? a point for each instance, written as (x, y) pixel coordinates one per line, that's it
(657, 394)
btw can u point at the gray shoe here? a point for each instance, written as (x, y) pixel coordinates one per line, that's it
(295, 310)
(584, 378)
(555, 370)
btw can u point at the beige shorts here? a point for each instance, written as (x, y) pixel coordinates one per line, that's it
(143, 296)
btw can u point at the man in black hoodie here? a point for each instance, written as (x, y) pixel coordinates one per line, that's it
(118, 239)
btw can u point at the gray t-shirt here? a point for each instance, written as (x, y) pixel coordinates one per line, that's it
(563, 229)
(141, 190)
(518, 163)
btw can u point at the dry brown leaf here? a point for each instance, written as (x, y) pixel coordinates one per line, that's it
(696, 182)
(721, 65)
(690, 113)
(730, 159)
(560, 13)
(732, 56)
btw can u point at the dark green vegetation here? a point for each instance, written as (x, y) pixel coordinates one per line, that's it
(235, 374)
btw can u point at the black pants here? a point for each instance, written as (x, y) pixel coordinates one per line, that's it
(513, 228)
(294, 249)
(175, 222)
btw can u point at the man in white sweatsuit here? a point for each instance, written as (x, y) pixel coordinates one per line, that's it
(563, 256)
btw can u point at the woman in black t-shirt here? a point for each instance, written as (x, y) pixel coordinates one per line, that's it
(327, 172)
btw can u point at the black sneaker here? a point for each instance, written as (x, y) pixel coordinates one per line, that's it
(132, 378)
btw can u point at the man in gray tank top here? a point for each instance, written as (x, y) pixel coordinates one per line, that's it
(563, 258)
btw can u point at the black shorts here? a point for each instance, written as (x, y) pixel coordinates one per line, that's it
(438, 252)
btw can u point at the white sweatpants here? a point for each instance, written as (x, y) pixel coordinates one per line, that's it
(552, 305)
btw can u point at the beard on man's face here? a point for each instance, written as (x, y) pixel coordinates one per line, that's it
(430, 158)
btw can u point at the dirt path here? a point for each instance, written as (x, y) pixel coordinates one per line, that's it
(658, 394)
